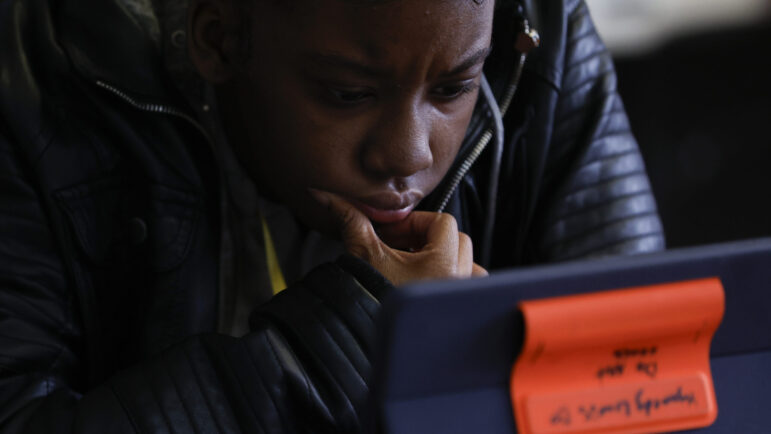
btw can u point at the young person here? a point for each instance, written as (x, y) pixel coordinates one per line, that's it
(166, 168)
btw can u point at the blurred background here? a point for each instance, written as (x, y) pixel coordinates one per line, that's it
(695, 76)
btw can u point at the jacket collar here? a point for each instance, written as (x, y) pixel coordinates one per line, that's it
(105, 42)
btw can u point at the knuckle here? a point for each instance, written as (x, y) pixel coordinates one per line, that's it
(359, 249)
(347, 217)
(480, 271)
(447, 222)
(465, 239)
(450, 221)
(367, 248)
(445, 218)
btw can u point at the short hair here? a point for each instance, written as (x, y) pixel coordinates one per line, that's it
(244, 30)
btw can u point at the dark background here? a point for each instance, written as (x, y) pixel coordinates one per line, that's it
(700, 107)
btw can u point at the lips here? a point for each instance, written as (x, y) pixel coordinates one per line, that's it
(386, 207)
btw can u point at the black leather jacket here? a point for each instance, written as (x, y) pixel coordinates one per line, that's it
(109, 230)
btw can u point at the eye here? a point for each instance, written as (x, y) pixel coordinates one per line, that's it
(455, 90)
(349, 96)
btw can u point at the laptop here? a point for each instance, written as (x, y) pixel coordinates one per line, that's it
(447, 348)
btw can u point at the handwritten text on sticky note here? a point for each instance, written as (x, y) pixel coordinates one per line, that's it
(631, 360)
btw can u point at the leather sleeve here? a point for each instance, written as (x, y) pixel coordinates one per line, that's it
(38, 328)
(303, 368)
(602, 201)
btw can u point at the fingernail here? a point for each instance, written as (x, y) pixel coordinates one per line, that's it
(320, 196)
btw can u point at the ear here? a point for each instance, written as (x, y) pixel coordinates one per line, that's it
(213, 39)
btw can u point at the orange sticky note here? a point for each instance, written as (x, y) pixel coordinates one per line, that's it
(629, 360)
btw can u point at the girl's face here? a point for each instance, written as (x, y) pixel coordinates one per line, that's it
(368, 101)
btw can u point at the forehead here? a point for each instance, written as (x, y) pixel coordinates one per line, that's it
(384, 30)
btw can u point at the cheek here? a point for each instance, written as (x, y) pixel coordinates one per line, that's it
(448, 137)
(300, 145)
(324, 151)
(270, 145)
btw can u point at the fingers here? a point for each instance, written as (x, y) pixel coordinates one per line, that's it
(354, 227)
(435, 234)
(465, 255)
(410, 233)
(478, 271)
(442, 233)
(435, 247)
(466, 265)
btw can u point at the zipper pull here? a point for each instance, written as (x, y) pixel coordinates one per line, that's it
(527, 39)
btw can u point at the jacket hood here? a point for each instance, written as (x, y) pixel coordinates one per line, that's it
(150, 39)
(154, 66)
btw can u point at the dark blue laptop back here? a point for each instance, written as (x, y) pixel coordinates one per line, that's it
(447, 347)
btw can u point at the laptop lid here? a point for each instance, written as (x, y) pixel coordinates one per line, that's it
(447, 348)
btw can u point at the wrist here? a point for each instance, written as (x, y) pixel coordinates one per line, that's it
(371, 279)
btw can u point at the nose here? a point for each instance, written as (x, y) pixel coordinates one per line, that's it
(399, 145)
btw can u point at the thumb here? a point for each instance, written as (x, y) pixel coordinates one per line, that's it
(478, 271)
(354, 228)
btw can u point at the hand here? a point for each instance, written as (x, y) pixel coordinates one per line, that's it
(425, 245)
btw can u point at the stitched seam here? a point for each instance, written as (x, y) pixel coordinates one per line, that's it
(582, 108)
(342, 350)
(52, 348)
(343, 319)
(603, 136)
(575, 63)
(354, 298)
(609, 134)
(607, 246)
(605, 181)
(277, 360)
(32, 306)
(379, 287)
(240, 384)
(592, 78)
(179, 396)
(332, 378)
(579, 12)
(604, 158)
(366, 291)
(129, 414)
(263, 383)
(366, 312)
(155, 395)
(334, 312)
(600, 161)
(52, 365)
(44, 149)
(596, 206)
(575, 39)
(200, 389)
(598, 228)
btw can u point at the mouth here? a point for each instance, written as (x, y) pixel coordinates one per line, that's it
(386, 207)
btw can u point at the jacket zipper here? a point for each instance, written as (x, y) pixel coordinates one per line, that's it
(527, 40)
(155, 108)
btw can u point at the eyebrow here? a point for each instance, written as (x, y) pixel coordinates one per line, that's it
(477, 57)
(336, 60)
